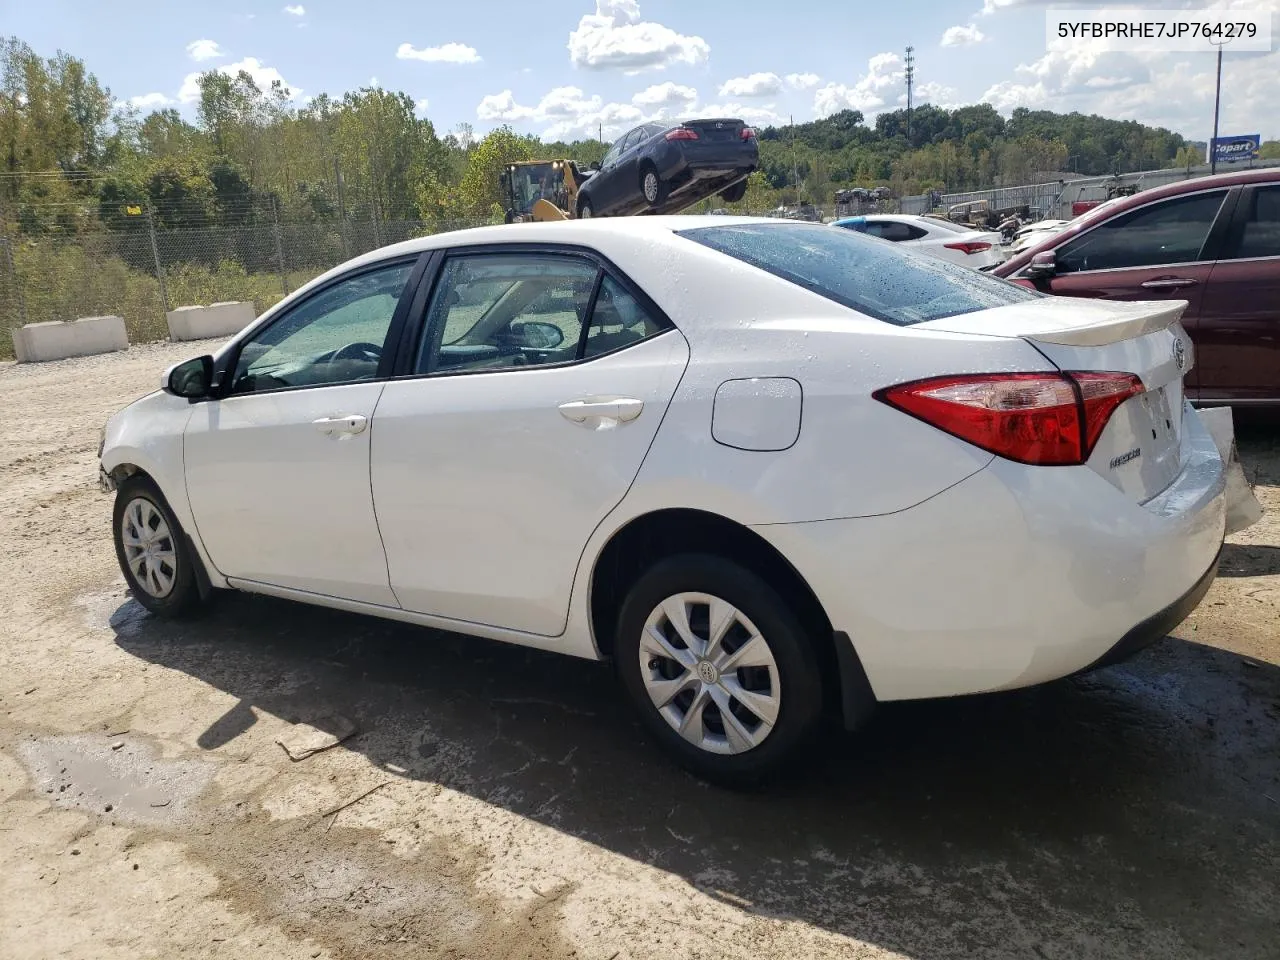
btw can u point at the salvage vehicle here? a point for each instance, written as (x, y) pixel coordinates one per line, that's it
(663, 168)
(977, 249)
(1212, 244)
(777, 473)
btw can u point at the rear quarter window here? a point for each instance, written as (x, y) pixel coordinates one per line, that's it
(860, 272)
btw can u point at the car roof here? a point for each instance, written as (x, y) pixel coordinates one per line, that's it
(564, 232)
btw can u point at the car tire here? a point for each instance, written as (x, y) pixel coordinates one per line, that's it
(585, 210)
(735, 193)
(676, 688)
(652, 187)
(152, 549)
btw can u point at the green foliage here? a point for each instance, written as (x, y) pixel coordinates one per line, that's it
(480, 192)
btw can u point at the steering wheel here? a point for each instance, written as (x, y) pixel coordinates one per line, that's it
(357, 351)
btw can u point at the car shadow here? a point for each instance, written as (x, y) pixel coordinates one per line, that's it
(1249, 560)
(1131, 812)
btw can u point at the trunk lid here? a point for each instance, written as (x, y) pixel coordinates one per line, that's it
(717, 130)
(1140, 450)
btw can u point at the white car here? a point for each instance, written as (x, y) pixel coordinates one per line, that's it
(774, 471)
(954, 242)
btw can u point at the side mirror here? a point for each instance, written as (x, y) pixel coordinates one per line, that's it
(537, 336)
(1042, 266)
(191, 379)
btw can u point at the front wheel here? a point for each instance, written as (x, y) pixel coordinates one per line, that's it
(153, 551)
(585, 210)
(719, 668)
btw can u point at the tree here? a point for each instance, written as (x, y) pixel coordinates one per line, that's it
(481, 189)
(1188, 157)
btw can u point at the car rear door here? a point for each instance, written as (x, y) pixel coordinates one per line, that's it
(1238, 332)
(1161, 251)
(493, 462)
(625, 185)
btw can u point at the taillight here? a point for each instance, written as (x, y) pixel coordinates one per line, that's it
(972, 246)
(682, 133)
(748, 133)
(1046, 419)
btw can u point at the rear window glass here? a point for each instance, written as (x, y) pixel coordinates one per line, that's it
(860, 272)
(947, 224)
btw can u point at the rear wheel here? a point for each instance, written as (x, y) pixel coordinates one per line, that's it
(735, 193)
(719, 668)
(152, 550)
(652, 186)
(585, 210)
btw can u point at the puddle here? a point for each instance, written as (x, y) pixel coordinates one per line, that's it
(122, 777)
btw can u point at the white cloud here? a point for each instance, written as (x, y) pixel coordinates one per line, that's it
(666, 95)
(938, 94)
(567, 112)
(962, 36)
(204, 50)
(502, 106)
(445, 53)
(884, 73)
(262, 75)
(373, 82)
(615, 37)
(803, 81)
(421, 104)
(295, 10)
(150, 101)
(755, 85)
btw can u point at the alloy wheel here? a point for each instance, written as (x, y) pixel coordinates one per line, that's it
(651, 187)
(710, 673)
(149, 549)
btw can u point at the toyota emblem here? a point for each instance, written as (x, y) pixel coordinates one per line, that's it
(1180, 353)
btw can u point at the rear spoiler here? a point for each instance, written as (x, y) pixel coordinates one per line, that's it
(1067, 321)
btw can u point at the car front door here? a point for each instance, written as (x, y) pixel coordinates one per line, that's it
(1164, 250)
(521, 421)
(278, 468)
(1238, 334)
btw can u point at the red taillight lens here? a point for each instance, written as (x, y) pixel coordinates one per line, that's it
(1101, 394)
(1046, 419)
(974, 246)
(748, 133)
(682, 133)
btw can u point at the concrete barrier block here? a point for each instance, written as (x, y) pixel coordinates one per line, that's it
(223, 319)
(59, 339)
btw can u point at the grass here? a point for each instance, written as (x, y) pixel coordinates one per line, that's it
(66, 282)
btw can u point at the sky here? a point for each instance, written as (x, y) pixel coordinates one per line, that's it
(567, 68)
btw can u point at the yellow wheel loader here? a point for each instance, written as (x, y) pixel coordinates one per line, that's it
(541, 190)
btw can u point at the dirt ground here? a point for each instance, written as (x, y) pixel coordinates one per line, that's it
(146, 810)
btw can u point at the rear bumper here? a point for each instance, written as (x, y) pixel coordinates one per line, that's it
(1015, 576)
(1159, 625)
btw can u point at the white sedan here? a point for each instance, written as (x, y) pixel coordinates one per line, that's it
(773, 471)
(955, 242)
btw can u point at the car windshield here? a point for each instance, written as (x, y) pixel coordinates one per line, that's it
(860, 272)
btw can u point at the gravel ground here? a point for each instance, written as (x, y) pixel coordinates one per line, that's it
(146, 809)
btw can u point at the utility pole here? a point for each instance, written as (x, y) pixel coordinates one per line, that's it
(911, 76)
(1217, 103)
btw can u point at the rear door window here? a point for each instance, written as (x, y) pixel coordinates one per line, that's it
(1257, 232)
(860, 273)
(1168, 232)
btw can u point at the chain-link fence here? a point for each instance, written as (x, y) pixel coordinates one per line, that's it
(141, 270)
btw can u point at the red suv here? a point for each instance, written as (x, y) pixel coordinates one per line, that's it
(1213, 242)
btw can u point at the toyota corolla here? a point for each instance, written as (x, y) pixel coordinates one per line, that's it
(774, 472)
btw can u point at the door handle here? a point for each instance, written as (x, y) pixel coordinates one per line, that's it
(1168, 283)
(620, 409)
(344, 426)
